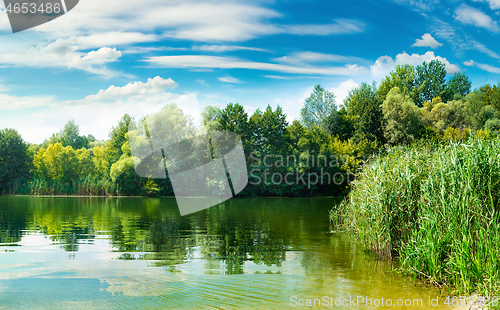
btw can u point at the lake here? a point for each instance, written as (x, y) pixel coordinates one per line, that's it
(139, 253)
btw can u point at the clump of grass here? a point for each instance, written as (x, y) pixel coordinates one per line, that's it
(435, 207)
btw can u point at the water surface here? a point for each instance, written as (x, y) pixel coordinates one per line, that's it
(139, 253)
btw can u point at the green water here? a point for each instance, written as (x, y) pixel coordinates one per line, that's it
(139, 253)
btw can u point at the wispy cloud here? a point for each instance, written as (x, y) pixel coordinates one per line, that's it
(472, 16)
(484, 67)
(301, 58)
(226, 48)
(230, 79)
(494, 4)
(211, 62)
(339, 26)
(460, 42)
(424, 5)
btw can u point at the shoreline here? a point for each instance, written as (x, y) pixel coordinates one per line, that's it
(174, 197)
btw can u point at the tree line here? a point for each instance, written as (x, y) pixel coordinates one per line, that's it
(411, 103)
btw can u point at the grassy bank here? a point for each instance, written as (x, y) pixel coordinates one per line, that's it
(435, 208)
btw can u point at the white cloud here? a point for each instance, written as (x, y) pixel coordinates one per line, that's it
(295, 77)
(211, 62)
(8, 102)
(121, 23)
(95, 113)
(61, 54)
(229, 79)
(384, 64)
(427, 40)
(292, 105)
(339, 26)
(472, 16)
(225, 48)
(133, 91)
(114, 38)
(342, 91)
(494, 4)
(301, 58)
(484, 67)
(215, 21)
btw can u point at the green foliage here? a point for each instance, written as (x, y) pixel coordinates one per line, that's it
(234, 118)
(442, 115)
(14, 160)
(345, 125)
(70, 136)
(62, 166)
(430, 81)
(269, 131)
(117, 137)
(364, 111)
(210, 117)
(481, 105)
(402, 123)
(124, 177)
(404, 77)
(457, 87)
(436, 207)
(320, 109)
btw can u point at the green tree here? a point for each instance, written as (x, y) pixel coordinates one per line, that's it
(70, 136)
(210, 117)
(14, 160)
(345, 125)
(363, 108)
(63, 165)
(270, 132)
(320, 109)
(458, 86)
(403, 77)
(481, 105)
(117, 137)
(125, 178)
(402, 123)
(233, 118)
(430, 81)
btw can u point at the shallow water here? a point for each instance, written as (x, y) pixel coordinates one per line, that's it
(139, 253)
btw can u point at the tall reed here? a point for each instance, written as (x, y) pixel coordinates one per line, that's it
(434, 207)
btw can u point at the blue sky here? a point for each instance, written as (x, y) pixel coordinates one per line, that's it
(104, 59)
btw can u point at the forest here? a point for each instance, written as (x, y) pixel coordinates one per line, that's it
(412, 104)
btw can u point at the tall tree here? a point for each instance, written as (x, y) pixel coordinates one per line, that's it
(402, 122)
(70, 136)
(458, 86)
(363, 107)
(320, 109)
(402, 77)
(430, 81)
(14, 159)
(269, 129)
(210, 117)
(234, 118)
(117, 137)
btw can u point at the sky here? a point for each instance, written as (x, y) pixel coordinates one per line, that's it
(107, 58)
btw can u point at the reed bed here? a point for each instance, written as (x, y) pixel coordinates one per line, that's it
(435, 208)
